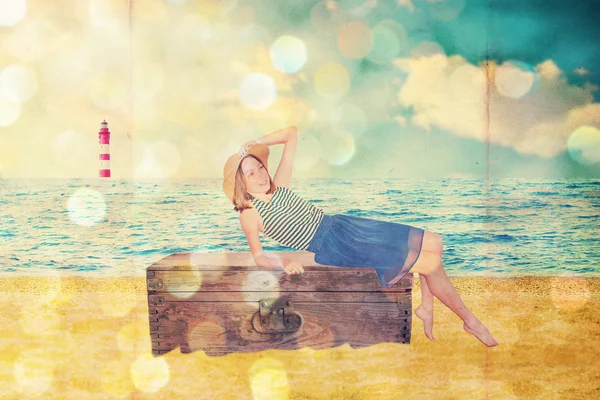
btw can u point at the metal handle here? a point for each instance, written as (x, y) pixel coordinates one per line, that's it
(276, 315)
(288, 325)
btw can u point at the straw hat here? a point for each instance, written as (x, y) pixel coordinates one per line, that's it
(258, 150)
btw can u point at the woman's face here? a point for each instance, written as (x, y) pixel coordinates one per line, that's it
(256, 176)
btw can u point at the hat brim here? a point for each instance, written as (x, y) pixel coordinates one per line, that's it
(258, 150)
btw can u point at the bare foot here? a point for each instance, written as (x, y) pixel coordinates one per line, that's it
(481, 332)
(427, 316)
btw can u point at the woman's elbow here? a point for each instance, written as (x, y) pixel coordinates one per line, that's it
(258, 259)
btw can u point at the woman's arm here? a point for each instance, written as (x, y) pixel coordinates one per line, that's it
(267, 260)
(261, 258)
(289, 136)
(279, 136)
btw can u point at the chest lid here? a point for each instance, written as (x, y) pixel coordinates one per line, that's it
(215, 276)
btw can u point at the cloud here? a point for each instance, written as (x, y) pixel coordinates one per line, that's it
(530, 109)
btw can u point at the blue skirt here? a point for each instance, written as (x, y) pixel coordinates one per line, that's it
(346, 241)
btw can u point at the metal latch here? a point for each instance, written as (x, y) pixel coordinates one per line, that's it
(276, 315)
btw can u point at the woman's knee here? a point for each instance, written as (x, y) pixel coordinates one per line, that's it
(433, 242)
(427, 263)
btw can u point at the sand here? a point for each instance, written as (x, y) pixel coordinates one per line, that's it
(80, 338)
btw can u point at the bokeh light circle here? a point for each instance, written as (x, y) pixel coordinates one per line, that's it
(389, 38)
(167, 155)
(309, 152)
(86, 207)
(338, 146)
(514, 79)
(206, 334)
(18, 83)
(149, 374)
(192, 275)
(160, 160)
(263, 281)
(584, 145)
(12, 11)
(288, 54)
(355, 39)
(34, 371)
(332, 81)
(350, 118)
(258, 91)
(39, 319)
(131, 339)
(198, 259)
(9, 111)
(268, 379)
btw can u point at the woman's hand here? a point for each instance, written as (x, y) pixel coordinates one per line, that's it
(293, 268)
(246, 146)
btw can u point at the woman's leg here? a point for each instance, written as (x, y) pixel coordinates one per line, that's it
(425, 310)
(429, 265)
(432, 242)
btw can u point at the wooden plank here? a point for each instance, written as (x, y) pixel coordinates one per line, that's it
(331, 279)
(225, 259)
(224, 327)
(255, 297)
(236, 267)
(228, 260)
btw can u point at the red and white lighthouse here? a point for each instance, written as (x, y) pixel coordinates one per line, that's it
(104, 137)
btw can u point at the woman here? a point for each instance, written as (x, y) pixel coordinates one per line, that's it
(268, 205)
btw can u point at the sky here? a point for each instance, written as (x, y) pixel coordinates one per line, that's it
(420, 89)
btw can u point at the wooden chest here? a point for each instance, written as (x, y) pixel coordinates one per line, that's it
(222, 303)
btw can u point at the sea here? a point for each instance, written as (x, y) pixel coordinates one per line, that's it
(114, 228)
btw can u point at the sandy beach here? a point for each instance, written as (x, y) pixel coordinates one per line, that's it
(80, 338)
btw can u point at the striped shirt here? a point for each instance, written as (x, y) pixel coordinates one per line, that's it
(288, 218)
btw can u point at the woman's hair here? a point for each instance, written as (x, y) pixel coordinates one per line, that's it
(241, 197)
